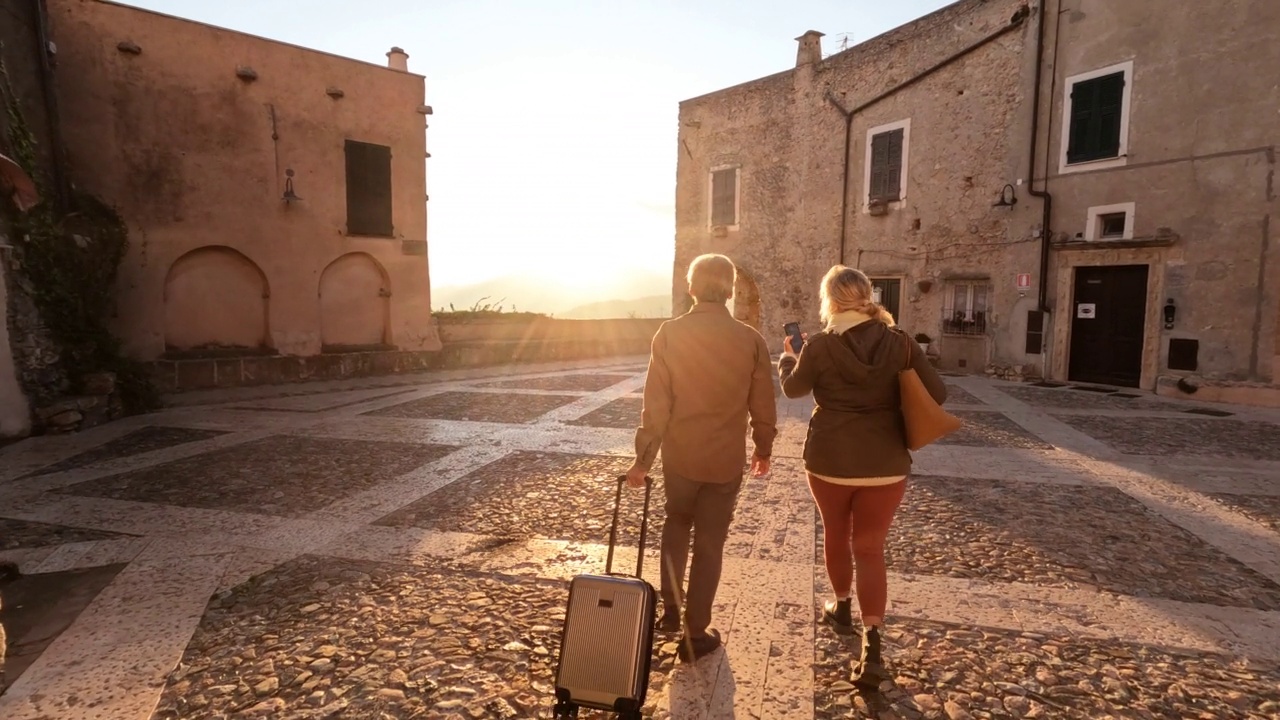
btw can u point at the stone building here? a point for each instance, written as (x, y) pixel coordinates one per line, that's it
(932, 156)
(275, 195)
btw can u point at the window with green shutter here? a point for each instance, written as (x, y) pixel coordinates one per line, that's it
(1096, 108)
(886, 166)
(724, 197)
(368, 189)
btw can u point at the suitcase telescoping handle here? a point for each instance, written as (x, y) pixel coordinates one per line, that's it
(644, 525)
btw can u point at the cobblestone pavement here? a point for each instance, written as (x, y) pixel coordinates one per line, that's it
(400, 548)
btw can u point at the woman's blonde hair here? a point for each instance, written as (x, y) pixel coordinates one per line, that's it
(711, 278)
(845, 288)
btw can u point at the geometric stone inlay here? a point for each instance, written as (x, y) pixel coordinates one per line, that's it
(280, 475)
(1182, 436)
(477, 407)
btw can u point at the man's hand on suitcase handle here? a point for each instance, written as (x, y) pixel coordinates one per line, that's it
(636, 476)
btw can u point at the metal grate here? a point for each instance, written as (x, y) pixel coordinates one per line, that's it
(964, 310)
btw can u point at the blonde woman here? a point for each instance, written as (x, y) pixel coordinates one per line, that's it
(856, 452)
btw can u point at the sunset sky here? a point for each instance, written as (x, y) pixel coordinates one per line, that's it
(554, 136)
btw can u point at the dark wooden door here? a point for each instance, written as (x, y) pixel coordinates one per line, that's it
(1108, 323)
(890, 294)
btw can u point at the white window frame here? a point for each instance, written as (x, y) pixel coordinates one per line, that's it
(905, 126)
(949, 290)
(1122, 155)
(1093, 221)
(737, 195)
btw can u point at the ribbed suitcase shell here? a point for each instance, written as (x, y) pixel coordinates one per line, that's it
(607, 645)
(608, 642)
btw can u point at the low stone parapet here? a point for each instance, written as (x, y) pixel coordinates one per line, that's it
(467, 343)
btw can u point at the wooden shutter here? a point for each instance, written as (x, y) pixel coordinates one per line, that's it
(724, 197)
(368, 189)
(1096, 107)
(886, 166)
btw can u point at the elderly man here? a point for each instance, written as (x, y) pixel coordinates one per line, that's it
(707, 374)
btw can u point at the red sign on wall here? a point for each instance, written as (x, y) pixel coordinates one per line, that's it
(1024, 281)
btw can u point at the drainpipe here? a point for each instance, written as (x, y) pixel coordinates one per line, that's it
(51, 105)
(1014, 23)
(1045, 235)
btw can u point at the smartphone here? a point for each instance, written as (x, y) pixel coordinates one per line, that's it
(793, 334)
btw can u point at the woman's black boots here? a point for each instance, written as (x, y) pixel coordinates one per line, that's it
(869, 671)
(839, 615)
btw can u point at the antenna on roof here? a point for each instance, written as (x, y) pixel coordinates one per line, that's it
(846, 40)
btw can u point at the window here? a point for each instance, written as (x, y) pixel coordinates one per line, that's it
(724, 196)
(886, 165)
(1109, 222)
(886, 174)
(965, 308)
(368, 189)
(1096, 125)
(1111, 225)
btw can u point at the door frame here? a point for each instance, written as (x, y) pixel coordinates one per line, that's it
(1064, 303)
(902, 289)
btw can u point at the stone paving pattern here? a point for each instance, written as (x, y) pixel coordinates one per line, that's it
(1005, 531)
(281, 475)
(139, 441)
(476, 407)
(1225, 438)
(348, 550)
(16, 534)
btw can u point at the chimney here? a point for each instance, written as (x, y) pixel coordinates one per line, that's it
(398, 59)
(810, 50)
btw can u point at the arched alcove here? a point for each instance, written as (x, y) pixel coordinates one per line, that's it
(215, 298)
(354, 303)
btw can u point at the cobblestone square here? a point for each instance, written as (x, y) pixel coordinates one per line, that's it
(582, 383)
(342, 551)
(15, 534)
(1225, 438)
(281, 475)
(477, 407)
(992, 429)
(1022, 532)
(139, 441)
(529, 494)
(623, 414)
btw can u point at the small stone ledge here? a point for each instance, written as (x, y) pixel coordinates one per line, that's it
(1013, 373)
(1160, 239)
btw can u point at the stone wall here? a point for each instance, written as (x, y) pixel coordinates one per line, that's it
(467, 343)
(787, 135)
(195, 134)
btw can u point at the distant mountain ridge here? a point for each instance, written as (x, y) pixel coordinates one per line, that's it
(653, 306)
(647, 294)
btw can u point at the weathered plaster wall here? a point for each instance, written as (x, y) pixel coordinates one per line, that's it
(195, 159)
(1201, 161)
(788, 137)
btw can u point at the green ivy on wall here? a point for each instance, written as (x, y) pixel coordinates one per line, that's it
(70, 260)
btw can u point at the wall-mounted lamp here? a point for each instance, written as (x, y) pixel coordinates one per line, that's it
(1170, 312)
(289, 195)
(1008, 197)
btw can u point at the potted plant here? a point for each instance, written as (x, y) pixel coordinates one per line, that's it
(924, 341)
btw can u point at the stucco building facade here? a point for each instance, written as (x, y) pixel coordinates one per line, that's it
(924, 156)
(275, 195)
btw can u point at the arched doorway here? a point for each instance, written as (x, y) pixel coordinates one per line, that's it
(354, 304)
(215, 298)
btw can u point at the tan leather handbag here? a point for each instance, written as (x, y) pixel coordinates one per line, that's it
(924, 418)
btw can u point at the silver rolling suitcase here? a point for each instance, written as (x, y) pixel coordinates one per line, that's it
(607, 644)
